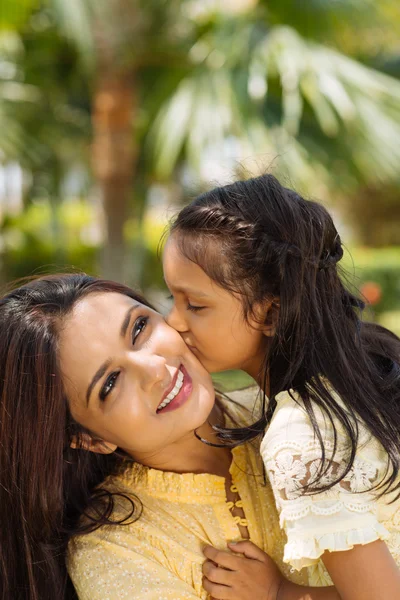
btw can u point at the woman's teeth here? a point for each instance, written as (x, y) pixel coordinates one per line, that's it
(173, 392)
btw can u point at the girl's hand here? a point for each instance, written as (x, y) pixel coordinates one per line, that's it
(248, 574)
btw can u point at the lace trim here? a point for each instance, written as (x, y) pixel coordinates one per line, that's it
(311, 445)
(295, 513)
(290, 471)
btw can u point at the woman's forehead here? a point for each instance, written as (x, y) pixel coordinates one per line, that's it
(96, 318)
(103, 303)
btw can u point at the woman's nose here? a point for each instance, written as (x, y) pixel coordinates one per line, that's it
(175, 320)
(151, 370)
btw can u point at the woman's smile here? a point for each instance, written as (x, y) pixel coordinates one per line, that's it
(181, 390)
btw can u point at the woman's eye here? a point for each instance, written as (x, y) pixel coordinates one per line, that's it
(109, 385)
(139, 326)
(194, 308)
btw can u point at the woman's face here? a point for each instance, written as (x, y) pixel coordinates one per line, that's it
(130, 378)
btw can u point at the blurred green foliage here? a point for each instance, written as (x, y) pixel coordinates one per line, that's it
(380, 266)
(306, 84)
(46, 238)
(34, 241)
(391, 320)
(231, 380)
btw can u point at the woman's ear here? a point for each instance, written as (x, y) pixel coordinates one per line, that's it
(85, 442)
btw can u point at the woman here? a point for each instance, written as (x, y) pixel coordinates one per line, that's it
(101, 414)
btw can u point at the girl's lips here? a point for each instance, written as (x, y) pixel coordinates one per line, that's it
(183, 394)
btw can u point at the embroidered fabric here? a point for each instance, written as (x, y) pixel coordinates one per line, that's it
(292, 468)
(350, 512)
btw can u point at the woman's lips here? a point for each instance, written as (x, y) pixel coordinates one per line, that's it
(183, 394)
(172, 385)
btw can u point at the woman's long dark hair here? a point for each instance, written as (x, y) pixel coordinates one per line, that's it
(45, 486)
(262, 241)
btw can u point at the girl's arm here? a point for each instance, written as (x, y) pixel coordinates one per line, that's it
(363, 573)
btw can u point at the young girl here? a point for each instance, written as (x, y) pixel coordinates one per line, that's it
(252, 268)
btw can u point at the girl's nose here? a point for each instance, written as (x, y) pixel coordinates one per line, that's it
(175, 320)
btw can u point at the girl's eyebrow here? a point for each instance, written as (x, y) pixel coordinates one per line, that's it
(189, 290)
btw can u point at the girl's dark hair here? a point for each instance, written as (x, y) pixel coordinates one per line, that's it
(45, 486)
(260, 240)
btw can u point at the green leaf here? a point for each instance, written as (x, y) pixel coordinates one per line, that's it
(15, 13)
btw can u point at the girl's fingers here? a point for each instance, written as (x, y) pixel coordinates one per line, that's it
(217, 574)
(217, 591)
(249, 550)
(222, 558)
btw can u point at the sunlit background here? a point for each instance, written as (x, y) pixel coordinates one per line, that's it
(114, 113)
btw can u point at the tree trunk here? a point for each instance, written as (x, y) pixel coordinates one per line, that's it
(114, 156)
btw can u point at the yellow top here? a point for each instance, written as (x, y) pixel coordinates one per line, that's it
(347, 514)
(159, 556)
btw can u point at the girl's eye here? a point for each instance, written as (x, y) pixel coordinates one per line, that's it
(139, 326)
(109, 385)
(194, 308)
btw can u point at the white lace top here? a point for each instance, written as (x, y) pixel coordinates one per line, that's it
(337, 519)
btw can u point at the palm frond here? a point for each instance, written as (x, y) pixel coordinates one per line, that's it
(75, 20)
(303, 81)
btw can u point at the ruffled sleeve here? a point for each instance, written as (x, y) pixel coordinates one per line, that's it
(333, 520)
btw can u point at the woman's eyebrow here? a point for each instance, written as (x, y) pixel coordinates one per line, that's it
(100, 372)
(126, 321)
(98, 375)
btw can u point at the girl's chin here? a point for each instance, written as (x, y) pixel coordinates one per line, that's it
(199, 373)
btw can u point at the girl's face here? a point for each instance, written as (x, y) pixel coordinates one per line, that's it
(210, 319)
(130, 378)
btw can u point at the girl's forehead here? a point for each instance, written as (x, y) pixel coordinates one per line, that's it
(178, 256)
